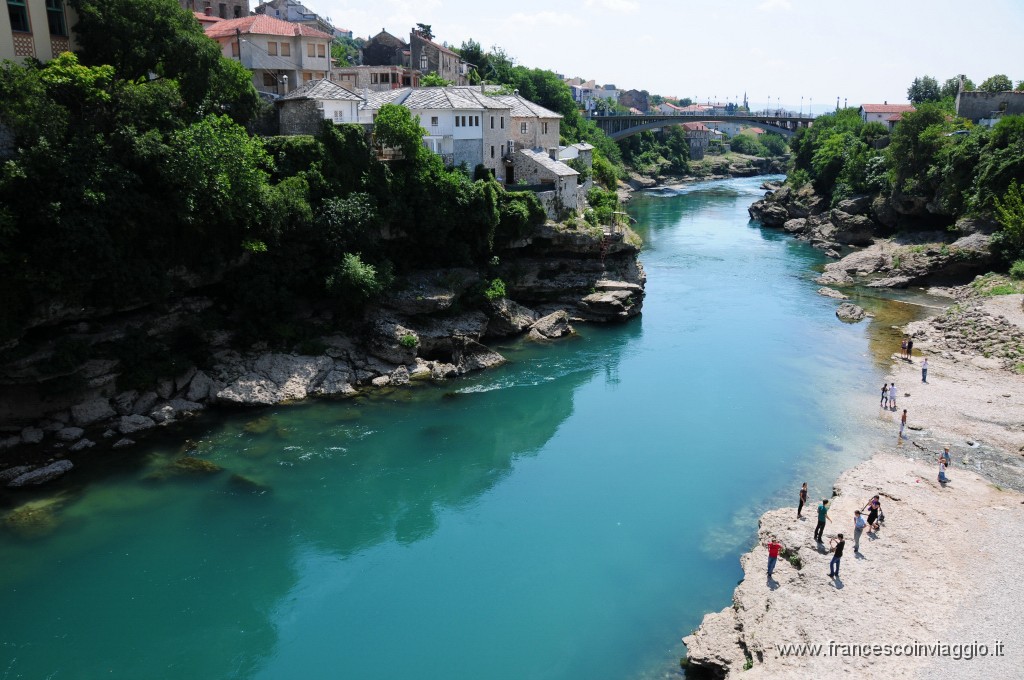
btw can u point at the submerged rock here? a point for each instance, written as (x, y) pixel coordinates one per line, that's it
(832, 293)
(35, 518)
(43, 474)
(850, 312)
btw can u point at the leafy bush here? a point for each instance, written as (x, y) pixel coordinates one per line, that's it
(355, 282)
(495, 290)
(408, 341)
(747, 144)
(1017, 270)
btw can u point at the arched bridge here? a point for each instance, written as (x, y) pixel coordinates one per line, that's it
(620, 127)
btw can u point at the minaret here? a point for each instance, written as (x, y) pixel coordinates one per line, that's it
(745, 101)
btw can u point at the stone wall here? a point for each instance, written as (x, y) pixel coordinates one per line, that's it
(468, 151)
(300, 117)
(980, 105)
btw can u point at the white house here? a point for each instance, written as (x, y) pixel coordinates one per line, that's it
(887, 114)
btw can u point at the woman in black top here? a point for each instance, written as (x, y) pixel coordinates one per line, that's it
(803, 499)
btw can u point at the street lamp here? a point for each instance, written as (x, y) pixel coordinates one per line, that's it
(810, 108)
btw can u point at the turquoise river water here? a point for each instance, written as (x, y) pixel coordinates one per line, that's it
(569, 515)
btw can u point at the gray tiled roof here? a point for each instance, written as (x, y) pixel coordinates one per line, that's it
(557, 167)
(323, 90)
(524, 108)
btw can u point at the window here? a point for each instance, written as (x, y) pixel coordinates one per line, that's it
(522, 128)
(238, 11)
(374, 78)
(307, 76)
(310, 50)
(433, 121)
(272, 49)
(457, 122)
(544, 128)
(339, 116)
(503, 122)
(19, 16)
(423, 61)
(234, 48)
(321, 51)
(286, 49)
(223, 10)
(476, 121)
(55, 17)
(492, 127)
(492, 152)
(269, 80)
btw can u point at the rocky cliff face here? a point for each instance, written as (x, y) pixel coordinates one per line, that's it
(889, 260)
(433, 326)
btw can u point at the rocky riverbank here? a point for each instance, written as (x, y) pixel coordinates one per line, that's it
(942, 568)
(434, 325)
(709, 168)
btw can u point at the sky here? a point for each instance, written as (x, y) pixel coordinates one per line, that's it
(783, 52)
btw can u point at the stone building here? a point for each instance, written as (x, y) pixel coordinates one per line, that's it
(36, 29)
(697, 135)
(428, 57)
(302, 111)
(555, 183)
(384, 49)
(988, 107)
(533, 126)
(225, 9)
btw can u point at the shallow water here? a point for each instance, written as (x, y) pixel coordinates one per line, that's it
(569, 515)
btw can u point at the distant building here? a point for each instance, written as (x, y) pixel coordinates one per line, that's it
(229, 9)
(282, 56)
(986, 108)
(419, 54)
(36, 29)
(635, 99)
(887, 114)
(296, 13)
(697, 135)
(375, 78)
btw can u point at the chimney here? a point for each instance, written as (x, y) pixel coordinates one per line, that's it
(886, 102)
(208, 11)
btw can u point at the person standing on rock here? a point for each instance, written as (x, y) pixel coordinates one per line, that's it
(943, 479)
(903, 348)
(773, 554)
(885, 396)
(892, 396)
(858, 528)
(903, 423)
(945, 456)
(803, 500)
(837, 544)
(819, 529)
(910, 349)
(924, 370)
(876, 507)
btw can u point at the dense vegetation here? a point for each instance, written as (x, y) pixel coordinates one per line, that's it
(133, 178)
(931, 158)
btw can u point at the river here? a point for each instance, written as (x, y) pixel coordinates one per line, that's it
(569, 515)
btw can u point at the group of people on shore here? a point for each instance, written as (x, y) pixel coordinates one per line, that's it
(837, 545)
(907, 353)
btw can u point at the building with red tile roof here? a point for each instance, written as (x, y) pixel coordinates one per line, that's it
(281, 55)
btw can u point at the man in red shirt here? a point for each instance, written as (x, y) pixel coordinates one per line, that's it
(773, 554)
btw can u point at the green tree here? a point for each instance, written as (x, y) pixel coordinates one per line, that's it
(434, 80)
(951, 87)
(915, 142)
(396, 128)
(1009, 213)
(142, 37)
(923, 89)
(996, 83)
